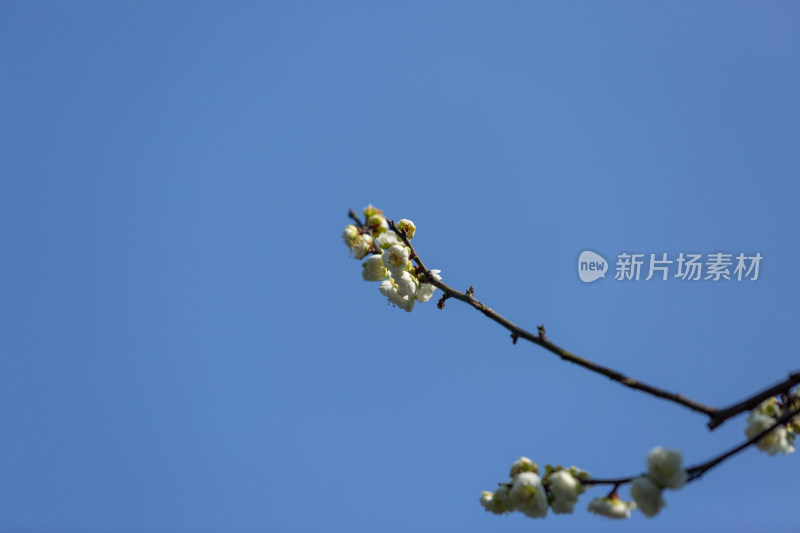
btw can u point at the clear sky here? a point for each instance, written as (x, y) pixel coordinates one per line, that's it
(185, 344)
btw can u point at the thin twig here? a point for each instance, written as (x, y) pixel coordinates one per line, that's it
(518, 332)
(352, 214)
(716, 416)
(745, 405)
(697, 471)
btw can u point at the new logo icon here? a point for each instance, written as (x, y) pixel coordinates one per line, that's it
(591, 266)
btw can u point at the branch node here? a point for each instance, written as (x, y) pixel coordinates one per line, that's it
(444, 297)
(514, 338)
(471, 291)
(540, 328)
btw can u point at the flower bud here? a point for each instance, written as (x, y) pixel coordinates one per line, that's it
(371, 210)
(408, 226)
(523, 464)
(378, 224)
(664, 467)
(349, 235)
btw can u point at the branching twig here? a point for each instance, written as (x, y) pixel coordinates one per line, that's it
(518, 332)
(745, 405)
(697, 471)
(352, 214)
(716, 416)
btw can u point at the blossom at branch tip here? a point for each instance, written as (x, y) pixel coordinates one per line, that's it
(611, 507)
(647, 495)
(373, 269)
(528, 496)
(362, 245)
(664, 467)
(407, 226)
(389, 258)
(396, 258)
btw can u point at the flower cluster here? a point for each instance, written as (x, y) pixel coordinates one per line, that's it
(560, 487)
(664, 471)
(533, 496)
(388, 259)
(779, 440)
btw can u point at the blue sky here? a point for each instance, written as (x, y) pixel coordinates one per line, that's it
(186, 345)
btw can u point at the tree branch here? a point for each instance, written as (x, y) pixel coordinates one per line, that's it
(352, 214)
(518, 332)
(697, 471)
(716, 416)
(722, 415)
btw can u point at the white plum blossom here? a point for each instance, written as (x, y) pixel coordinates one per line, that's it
(664, 467)
(349, 235)
(373, 269)
(492, 504)
(391, 265)
(396, 258)
(769, 407)
(779, 440)
(647, 495)
(565, 486)
(406, 284)
(388, 239)
(389, 289)
(565, 489)
(611, 507)
(528, 495)
(362, 245)
(426, 290)
(408, 226)
(523, 464)
(532, 495)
